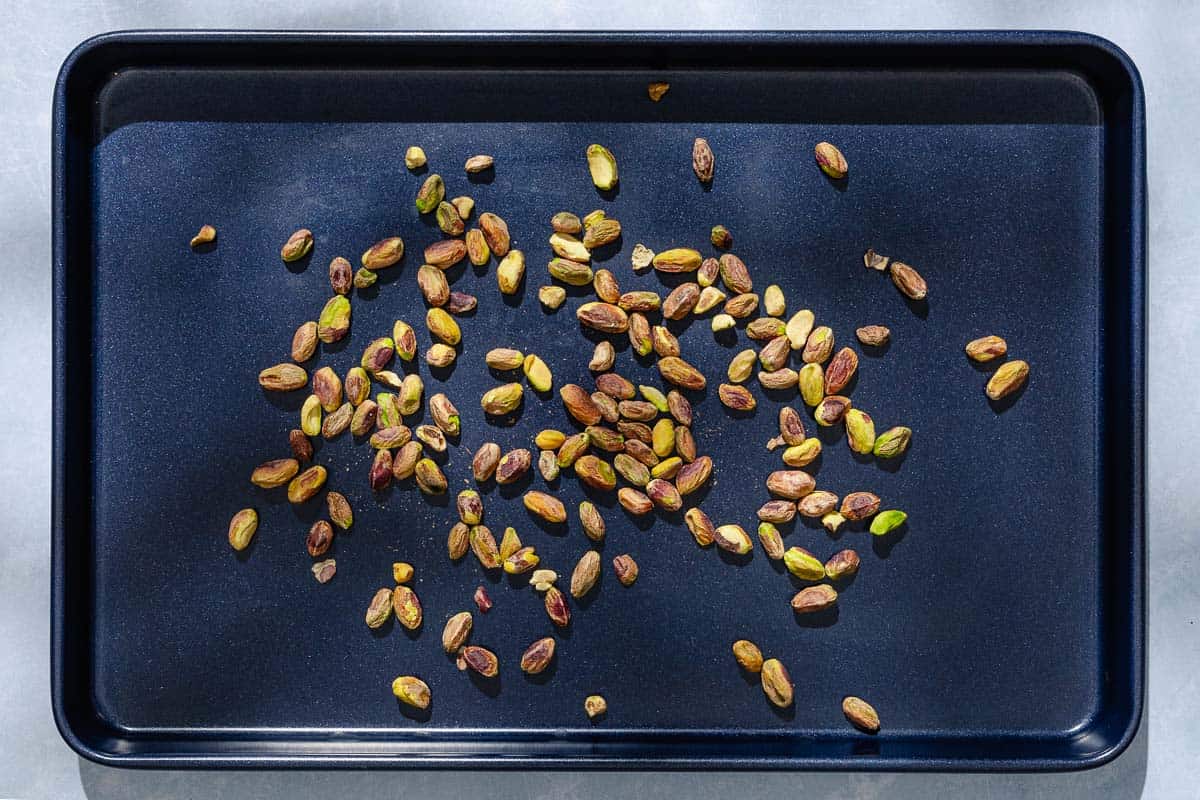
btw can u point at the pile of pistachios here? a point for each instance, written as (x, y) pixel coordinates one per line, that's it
(634, 440)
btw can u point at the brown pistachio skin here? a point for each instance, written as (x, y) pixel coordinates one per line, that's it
(908, 281)
(615, 386)
(304, 342)
(302, 449)
(735, 397)
(513, 465)
(481, 660)
(482, 600)
(381, 470)
(483, 544)
(556, 607)
(859, 505)
(585, 574)
(840, 370)
(874, 335)
(404, 464)
(538, 656)
(487, 458)
(298, 245)
(842, 564)
(283, 378)
(733, 539)
(320, 538)
(700, 526)
(691, 477)
(777, 511)
(776, 683)
(702, 160)
(579, 404)
(831, 410)
(626, 569)
(812, 599)
(458, 541)
(274, 473)
(380, 608)
(592, 522)
(634, 502)
(790, 484)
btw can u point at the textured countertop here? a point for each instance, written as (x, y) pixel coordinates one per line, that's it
(1161, 38)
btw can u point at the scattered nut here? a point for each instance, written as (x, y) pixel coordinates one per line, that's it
(812, 599)
(476, 164)
(702, 160)
(887, 521)
(411, 691)
(1007, 379)
(298, 245)
(595, 706)
(776, 683)
(481, 660)
(830, 160)
(538, 656)
(414, 158)
(861, 714)
(402, 572)
(242, 528)
(874, 335)
(585, 574)
(841, 564)
(908, 281)
(733, 538)
(626, 569)
(603, 167)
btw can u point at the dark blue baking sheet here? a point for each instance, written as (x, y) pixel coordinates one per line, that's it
(1001, 629)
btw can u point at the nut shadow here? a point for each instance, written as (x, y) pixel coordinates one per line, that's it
(1005, 403)
(892, 464)
(919, 308)
(735, 559)
(384, 630)
(515, 299)
(557, 529)
(414, 713)
(876, 350)
(824, 618)
(839, 184)
(882, 545)
(301, 264)
(788, 713)
(543, 677)
(286, 401)
(489, 686)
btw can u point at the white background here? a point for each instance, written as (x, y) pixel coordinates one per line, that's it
(1163, 39)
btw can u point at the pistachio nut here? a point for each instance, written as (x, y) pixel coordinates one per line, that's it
(242, 528)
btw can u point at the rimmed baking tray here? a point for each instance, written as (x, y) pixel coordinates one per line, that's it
(1001, 629)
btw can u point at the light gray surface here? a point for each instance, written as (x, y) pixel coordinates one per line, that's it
(1162, 38)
